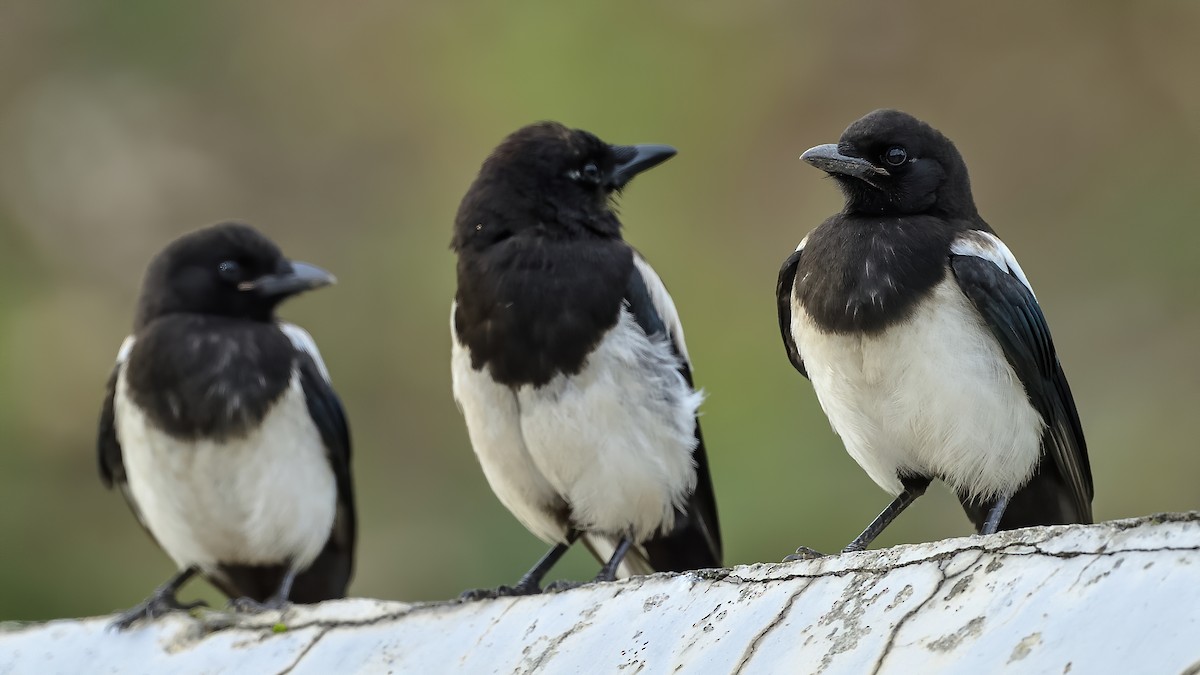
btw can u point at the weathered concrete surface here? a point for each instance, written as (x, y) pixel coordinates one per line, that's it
(1119, 597)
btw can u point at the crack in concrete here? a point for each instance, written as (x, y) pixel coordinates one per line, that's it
(944, 555)
(937, 589)
(947, 574)
(223, 622)
(942, 559)
(775, 623)
(532, 666)
(304, 652)
(495, 622)
(1044, 582)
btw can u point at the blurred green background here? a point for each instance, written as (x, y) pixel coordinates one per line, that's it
(349, 131)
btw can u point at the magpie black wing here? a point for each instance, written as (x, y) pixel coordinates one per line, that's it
(695, 540)
(783, 302)
(108, 447)
(1061, 490)
(329, 575)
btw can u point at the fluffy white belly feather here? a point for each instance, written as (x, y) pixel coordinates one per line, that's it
(613, 442)
(494, 425)
(616, 440)
(933, 395)
(266, 498)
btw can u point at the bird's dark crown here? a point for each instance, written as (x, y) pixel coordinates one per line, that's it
(213, 271)
(550, 180)
(915, 168)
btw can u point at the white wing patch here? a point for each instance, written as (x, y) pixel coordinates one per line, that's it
(304, 342)
(126, 347)
(988, 246)
(662, 304)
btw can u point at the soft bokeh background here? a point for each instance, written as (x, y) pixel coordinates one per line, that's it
(349, 131)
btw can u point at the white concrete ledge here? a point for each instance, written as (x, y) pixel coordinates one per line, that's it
(1119, 597)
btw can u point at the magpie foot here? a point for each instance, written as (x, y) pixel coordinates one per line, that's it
(606, 574)
(246, 605)
(473, 594)
(804, 553)
(499, 592)
(153, 607)
(562, 585)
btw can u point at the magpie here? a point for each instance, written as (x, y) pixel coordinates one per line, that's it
(924, 341)
(222, 431)
(569, 365)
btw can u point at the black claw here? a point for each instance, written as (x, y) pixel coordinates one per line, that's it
(519, 589)
(499, 592)
(562, 585)
(472, 594)
(804, 553)
(245, 605)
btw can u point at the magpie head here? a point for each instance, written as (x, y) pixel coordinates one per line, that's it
(552, 181)
(891, 163)
(228, 270)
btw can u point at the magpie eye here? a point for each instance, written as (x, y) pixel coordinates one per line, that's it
(230, 270)
(895, 155)
(591, 172)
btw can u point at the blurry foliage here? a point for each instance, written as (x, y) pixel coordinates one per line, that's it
(348, 132)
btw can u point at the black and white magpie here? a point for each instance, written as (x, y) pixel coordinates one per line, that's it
(569, 363)
(924, 341)
(223, 432)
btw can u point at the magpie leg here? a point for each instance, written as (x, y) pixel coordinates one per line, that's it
(160, 602)
(913, 488)
(609, 571)
(994, 515)
(531, 582)
(278, 600)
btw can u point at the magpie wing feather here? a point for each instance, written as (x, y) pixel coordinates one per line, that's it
(1061, 490)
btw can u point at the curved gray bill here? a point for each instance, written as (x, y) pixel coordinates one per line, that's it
(303, 277)
(634, 159)
(828, 158)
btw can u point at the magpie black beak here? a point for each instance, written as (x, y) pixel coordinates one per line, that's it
(830, 160)
(634, 159)
(299, 278)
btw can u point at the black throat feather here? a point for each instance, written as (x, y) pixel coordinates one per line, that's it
(532, 307)
(863, 274)
(199, 376)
